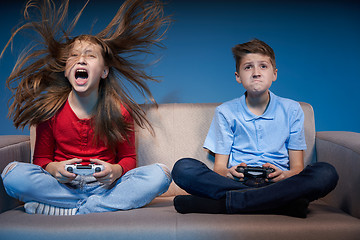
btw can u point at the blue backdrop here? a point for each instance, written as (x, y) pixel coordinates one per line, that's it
(317, 47)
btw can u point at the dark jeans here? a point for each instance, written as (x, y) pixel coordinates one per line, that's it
(314, 182)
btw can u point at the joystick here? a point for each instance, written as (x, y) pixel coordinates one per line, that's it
(255, 172)
(80, 169)
(255, 176)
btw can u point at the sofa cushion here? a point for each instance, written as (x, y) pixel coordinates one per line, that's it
(159, 220)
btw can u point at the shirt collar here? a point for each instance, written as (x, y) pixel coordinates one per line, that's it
(268, 114)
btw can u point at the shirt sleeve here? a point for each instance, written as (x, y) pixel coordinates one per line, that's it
(126, 153)
(220, 136)
(44, 144)
(296, 139)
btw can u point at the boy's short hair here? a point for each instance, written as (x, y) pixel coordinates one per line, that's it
(254, 46)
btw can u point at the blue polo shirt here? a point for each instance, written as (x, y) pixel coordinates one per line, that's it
(257, 140)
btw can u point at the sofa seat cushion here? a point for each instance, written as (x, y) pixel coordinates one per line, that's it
(159, 220)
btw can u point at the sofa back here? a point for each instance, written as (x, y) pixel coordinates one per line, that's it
(179, 131)
(181, 128)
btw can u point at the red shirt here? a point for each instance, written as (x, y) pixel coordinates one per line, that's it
(65, 136)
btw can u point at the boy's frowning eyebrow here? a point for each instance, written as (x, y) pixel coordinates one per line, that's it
(257, 62)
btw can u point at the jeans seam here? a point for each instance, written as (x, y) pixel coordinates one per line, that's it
(228, 200)
(168, 176)
(6, 169)
(8, 190)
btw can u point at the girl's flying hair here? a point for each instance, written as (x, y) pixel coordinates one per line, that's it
(38, 82)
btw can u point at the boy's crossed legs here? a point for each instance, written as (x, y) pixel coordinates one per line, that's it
(213, 193)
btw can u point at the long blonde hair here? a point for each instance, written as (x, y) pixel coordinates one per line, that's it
(38, 83)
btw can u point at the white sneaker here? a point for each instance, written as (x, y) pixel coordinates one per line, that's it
(41, 208)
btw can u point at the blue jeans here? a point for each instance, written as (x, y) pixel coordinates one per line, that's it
(314, 182)
(136, 188)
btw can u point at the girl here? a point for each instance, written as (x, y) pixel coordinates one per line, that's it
(70, 91)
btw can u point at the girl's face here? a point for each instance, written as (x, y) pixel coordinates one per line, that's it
(85, 67)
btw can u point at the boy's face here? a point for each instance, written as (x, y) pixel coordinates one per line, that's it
(256, 74)
(85, 67)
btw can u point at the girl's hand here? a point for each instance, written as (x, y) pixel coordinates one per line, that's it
(110, 174)
(233, 174)
(58, 171)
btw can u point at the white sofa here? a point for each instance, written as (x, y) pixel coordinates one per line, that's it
(180, 130)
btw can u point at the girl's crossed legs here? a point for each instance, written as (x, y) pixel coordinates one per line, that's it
(138, 187)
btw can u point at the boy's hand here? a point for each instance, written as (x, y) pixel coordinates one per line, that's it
(277, 175)
(233, 174)
(110, 174)
(58, 171)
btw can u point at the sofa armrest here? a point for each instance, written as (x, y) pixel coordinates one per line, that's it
(342, 150)
(12, 148)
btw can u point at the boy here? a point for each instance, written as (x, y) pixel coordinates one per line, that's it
(259, 129)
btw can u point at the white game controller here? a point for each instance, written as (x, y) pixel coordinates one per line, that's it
(84, 169)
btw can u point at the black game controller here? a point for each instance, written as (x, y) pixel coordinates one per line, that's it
(255, 172)
(255, 176)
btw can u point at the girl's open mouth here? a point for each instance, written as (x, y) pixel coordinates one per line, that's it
(81, 76)
(81, 73)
